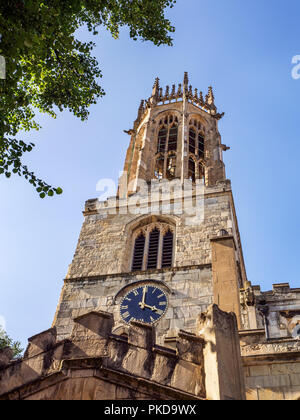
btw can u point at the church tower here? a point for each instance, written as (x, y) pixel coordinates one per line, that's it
(156, 304)
(167, 245)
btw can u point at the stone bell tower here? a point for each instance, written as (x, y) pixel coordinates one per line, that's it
(150, 257)
(156, 303)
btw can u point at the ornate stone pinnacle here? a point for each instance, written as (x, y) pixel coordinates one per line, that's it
(186, 79)
(155, 88)
(211, 98)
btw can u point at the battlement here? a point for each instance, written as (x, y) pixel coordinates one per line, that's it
(182, 92)
(97, 364)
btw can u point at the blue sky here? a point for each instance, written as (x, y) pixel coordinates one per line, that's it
(244, 49)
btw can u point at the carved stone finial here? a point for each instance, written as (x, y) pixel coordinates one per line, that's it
(173, 93)
(179, 92)
(167, 93)
(186, 79)
(196, 95)
(160, 95)
(201, 99)
(210, 96)
(155, 90)
(155, 87)
(141, 109)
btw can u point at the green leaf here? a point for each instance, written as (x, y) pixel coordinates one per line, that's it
(49, 68)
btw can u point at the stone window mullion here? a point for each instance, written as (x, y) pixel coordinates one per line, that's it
(160, 249)
(146, 250)
(197, 144)
(166, 151)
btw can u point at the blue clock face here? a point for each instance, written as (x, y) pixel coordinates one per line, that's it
(145, 304)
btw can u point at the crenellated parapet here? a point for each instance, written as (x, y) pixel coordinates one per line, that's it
(161, 96)
(95, 364)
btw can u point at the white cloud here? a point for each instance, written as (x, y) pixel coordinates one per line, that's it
(2, 322)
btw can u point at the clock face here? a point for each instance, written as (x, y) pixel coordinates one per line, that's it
(145, 304)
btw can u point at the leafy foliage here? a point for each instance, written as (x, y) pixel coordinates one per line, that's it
(48, 69)
(6, 341)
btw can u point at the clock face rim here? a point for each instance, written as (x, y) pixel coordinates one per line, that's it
(138, 320)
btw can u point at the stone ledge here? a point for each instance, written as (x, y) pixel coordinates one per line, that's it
(135, 273)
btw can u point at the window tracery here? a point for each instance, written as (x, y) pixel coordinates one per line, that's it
(153, 247)
(196, 148)
(167, 138)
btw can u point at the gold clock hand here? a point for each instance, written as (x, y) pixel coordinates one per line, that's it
(142, 303)
(153, 308)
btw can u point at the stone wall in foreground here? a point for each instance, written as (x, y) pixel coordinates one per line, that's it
(94, 363)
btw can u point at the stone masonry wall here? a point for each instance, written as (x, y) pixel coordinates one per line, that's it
(189, 290)
(105, 243)
(271, 367)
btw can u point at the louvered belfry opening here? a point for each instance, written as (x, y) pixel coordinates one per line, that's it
(167, 252)
(153, 249)
(138, 254)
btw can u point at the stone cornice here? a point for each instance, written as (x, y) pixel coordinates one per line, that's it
(138, 273)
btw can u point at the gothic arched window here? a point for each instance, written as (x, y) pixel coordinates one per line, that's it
(153, 247)
(200, 146)
(166, 142)
(196, 148)
(162, 140)
(171, 166)
(192, 170)
(173, 134)
(192, 141)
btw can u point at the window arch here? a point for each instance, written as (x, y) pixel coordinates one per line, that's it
(153, 247)
(196, 148)
(167, 140)
(192, 170)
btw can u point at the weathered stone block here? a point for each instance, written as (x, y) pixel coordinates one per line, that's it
(141, 335)
(41, 342)
(190, 347)
(93, 323)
